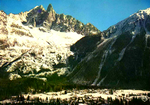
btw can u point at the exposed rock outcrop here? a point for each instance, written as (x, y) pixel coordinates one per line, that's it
(59, 22)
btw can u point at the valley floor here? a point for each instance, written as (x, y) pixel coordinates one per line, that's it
(85, 97)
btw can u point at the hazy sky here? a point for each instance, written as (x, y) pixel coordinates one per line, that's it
(101, 13)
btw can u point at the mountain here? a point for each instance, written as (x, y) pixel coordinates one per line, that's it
(39, 43)
(36, 43)
(27, 51)
(117, 57)
(59, 22)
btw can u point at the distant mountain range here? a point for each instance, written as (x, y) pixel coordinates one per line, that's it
(39, 43)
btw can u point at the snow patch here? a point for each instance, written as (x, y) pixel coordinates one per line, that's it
(110, 48)
(147, 35)
(104, 57)
(14, 76)
(89, 57)
(105, 54)
(121, 54)
(102, 43)
(101, 81)
(134, 33)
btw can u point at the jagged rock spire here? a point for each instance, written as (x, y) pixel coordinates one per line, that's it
(50, 8)
(60, 22)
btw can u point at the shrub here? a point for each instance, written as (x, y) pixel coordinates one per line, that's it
(4, 31)
(16, 26)
(19, 32)
(3, 44)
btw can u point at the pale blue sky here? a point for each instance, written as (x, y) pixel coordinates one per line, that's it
(101, 13)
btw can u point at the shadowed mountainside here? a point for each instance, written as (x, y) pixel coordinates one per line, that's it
(119, 57)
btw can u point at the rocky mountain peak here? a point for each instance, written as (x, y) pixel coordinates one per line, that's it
(38, 9)
(132, 24)
(42, 8)
(146, 11)
(50, 8)
(59, 22)
(141, 14)
(88, 24)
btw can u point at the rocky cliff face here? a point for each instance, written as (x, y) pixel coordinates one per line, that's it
(59, 22)
(120, 58)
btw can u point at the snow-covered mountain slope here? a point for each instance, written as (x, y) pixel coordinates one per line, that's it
(120, 58)
(132, 24)
(30, 46)
(33, 51)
